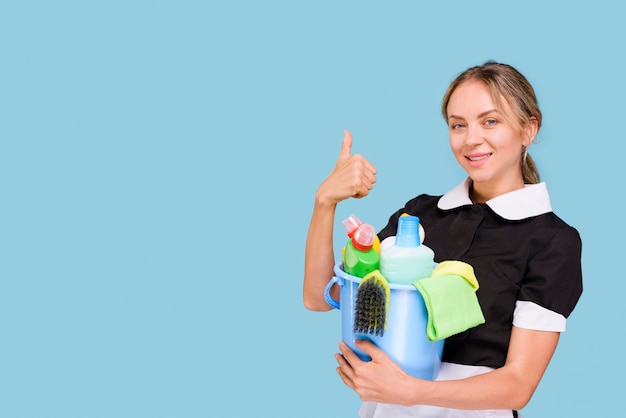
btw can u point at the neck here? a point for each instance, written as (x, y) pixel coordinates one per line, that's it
(482, 193)
(476, 197)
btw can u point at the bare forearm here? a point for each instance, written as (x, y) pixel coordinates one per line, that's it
(319, 256)
(499, 389)
(509, 387)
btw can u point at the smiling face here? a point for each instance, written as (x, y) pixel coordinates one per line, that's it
(485, 142)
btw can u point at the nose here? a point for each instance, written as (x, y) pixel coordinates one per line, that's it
(473, 136)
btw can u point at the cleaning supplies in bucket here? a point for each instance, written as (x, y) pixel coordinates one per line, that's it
(372, 304)
(404, 338)
(450, 298)
(404, 257)
(403, 261)
(360, 258)
(409, 305)
(350, 224)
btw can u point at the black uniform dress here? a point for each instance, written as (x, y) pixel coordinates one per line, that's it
(528, 264)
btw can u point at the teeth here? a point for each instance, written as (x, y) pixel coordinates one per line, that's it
(482, 157)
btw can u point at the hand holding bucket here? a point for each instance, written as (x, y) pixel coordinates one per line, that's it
(404, 339)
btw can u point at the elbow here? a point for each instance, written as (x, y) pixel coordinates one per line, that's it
(521, 398)
(520, 404)
(315, 299)
(315, 305)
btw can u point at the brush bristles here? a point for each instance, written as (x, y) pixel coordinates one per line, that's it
(370, 310)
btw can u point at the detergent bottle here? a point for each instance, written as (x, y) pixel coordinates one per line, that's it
(359, 255)
(350, 224)
(403, 257)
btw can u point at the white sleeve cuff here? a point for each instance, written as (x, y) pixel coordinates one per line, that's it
(532, 316)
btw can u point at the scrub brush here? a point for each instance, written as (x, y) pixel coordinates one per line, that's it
(372, 304)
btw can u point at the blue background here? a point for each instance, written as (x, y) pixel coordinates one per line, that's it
(159, 161)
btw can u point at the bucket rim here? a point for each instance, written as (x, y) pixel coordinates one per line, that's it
(343, 275)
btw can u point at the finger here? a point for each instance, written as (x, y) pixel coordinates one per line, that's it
(365, 175)
(348, 355)
(363, 183)
(344, 369)
(346, 146)
(346, 380)
(370, 170)
(363, 189)
(344, 366)
(370, 173)
(368, 180)
(370, 348)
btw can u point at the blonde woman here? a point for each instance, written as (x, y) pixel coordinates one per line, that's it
(499, 220)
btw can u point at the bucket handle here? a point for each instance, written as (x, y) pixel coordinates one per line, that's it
(329, 299)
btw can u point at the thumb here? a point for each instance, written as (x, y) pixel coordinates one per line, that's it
(346, 146)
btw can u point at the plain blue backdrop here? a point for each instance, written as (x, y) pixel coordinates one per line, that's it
(159, 161)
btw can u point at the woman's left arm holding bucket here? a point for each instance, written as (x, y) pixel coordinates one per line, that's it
(509, 387)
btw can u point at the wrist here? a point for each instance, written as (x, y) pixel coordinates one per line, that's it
(323, 201)
(417, 391)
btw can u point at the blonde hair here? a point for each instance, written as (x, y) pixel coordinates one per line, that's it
(504, 81)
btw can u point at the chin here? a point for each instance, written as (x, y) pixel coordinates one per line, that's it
(479, 178)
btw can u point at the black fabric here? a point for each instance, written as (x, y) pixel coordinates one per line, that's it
(535, 259)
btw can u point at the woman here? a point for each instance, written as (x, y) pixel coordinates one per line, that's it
(500, 221)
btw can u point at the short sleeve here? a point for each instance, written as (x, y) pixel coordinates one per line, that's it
(554, 275)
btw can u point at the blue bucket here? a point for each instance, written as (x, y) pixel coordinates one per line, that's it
(404, 339)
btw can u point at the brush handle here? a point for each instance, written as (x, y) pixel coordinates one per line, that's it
(329, 299)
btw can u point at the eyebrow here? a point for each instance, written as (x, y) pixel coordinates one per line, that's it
(485, 113)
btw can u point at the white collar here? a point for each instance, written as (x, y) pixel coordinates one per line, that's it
(532, 200)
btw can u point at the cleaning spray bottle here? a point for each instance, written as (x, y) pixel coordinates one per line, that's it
(359, 256)
(350, 224)
(403, 257)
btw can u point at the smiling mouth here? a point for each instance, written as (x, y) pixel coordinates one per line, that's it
(478, 157)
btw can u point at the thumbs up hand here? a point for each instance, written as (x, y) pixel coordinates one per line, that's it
(352, 176)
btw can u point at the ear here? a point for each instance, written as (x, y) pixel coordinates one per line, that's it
(530, 130)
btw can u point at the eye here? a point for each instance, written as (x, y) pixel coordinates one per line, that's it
(457, 126)
(491, 122)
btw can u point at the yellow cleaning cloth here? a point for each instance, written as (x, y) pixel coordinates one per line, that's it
(450, 298)
(458, 268)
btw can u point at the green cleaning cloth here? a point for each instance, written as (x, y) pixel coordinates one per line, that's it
(450, 300)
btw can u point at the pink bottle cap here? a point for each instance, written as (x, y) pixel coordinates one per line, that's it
(363, 238)
(351, 223)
